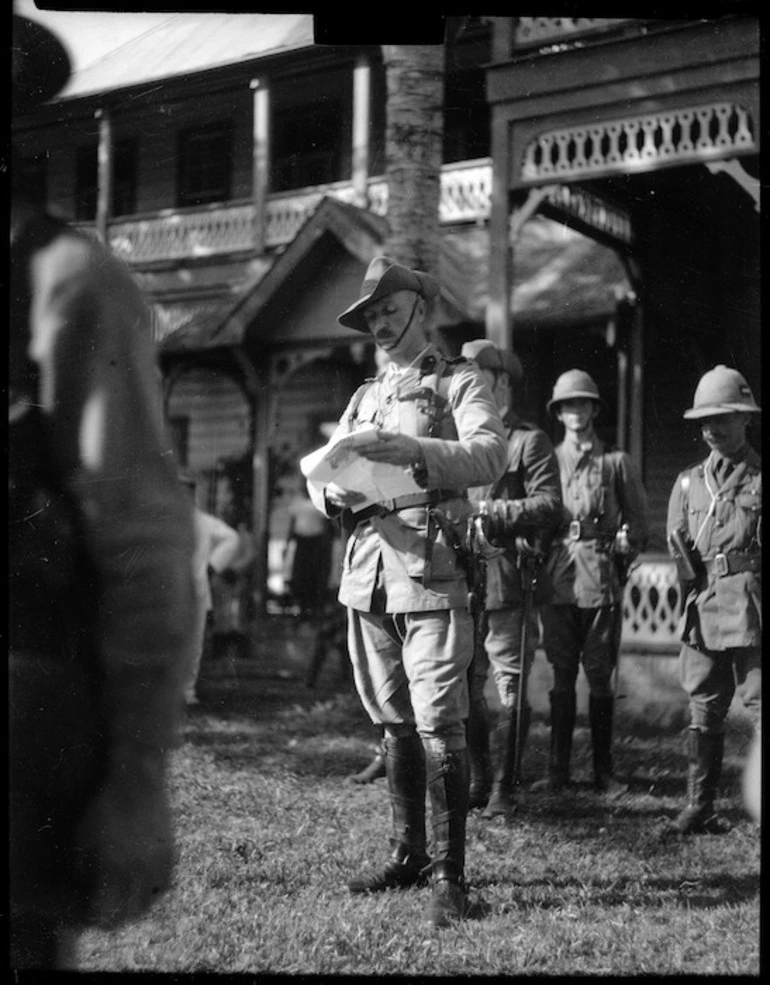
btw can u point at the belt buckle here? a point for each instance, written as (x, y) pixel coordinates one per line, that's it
(574, 530)
(721, 565)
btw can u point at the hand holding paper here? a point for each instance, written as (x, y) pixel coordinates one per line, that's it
(375, 475)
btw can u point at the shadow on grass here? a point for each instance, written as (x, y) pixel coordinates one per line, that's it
(704, 893)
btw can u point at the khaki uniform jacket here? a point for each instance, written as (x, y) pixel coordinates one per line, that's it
(604, 488)
(463, 441)
(531, 490)
(721, 611)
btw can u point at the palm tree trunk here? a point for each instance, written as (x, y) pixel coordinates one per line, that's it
(413, 151)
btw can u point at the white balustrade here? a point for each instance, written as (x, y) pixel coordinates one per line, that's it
(176, 234)
(651, 606)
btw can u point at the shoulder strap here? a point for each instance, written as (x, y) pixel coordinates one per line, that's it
(356, 399)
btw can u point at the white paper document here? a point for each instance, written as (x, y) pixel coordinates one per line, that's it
(338, 461)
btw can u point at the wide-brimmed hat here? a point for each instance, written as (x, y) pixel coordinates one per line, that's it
(487, 355)
(722, 390)
(384, 276)
(40, 65)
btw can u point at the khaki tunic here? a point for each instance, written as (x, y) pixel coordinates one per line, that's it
(722, 612)
(463, 444)
(604, 487)
(531, 490)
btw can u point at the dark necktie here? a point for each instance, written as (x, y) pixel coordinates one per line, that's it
(724, 471)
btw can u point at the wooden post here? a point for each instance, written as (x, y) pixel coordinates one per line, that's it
(498, 320)
(503, 34)
(104, 174)
(361, 121)
(260, 160)
(636, 408)
(622, 363)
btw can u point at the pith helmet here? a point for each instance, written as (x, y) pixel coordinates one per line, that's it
(487, 355)
(722, 391)
(575, 384)
(385, 276)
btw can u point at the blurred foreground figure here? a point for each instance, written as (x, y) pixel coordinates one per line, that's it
(410, 634)
(101, 595)
(714, 532)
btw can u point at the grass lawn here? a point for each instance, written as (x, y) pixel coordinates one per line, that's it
(269, 830)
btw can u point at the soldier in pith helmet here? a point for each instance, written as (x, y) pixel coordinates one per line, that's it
(604, 527)
(714, 528)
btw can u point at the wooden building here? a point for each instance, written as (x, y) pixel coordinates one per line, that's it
(598, 208)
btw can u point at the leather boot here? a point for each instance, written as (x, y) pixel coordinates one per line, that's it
(448, 786)
(375, 769)
(704, 752)
(600, 712)
(505, 775)
(563, 711)
(477, 732)
(405, 770)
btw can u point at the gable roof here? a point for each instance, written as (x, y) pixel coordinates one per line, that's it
(560, 276)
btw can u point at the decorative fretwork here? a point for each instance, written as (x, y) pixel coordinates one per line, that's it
(465, 192)
(173, 235)
(215, 230)
(651, 605)
(538, 31)
(595, 212)
(639, 143)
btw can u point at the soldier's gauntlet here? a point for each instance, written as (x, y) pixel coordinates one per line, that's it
(500, 518)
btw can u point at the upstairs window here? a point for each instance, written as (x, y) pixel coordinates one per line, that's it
(124, 179)
(31, 177)
(86, 178)
(205, 164)
(310, 146)
(124, 176)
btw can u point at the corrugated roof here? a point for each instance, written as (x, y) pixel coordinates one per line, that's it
(173, 46)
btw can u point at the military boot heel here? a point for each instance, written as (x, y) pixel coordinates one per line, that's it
(600, 715)
(409, 860)
(563, 713)
(705, 753)
(477, 732)
(448, 784)
(501, 802)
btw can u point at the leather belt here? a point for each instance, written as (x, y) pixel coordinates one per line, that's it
(585, 530)
(730, 564)
(429, 498)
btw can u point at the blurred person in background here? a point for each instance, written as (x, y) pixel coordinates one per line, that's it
(523, 508)
(604, 528)
(308, 554)
(101, 595)
(217, 545)
(714, 528)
